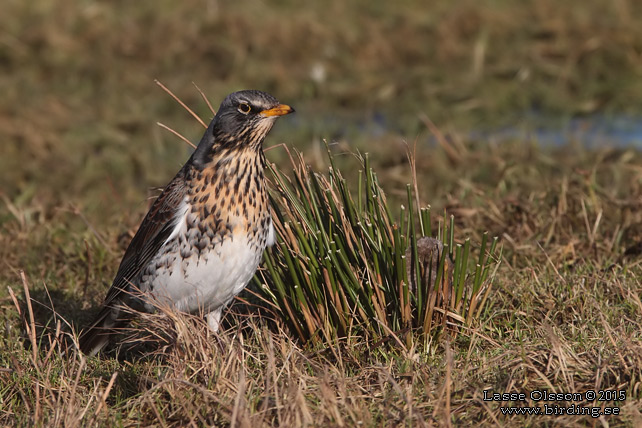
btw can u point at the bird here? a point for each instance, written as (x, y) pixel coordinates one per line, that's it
(204, 236)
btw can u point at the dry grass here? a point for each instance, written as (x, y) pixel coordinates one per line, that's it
(79, 152)
(564, 316)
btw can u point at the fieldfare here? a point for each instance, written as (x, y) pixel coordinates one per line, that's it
(203, 238)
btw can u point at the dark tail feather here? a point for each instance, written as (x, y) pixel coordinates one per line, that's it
(109, 322)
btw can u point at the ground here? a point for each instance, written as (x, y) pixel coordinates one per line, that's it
(81, 153)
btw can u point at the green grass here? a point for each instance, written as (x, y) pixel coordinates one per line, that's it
(80, 151)
(344, 263)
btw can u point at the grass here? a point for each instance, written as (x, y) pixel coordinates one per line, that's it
(344, 266)
(563, 315)
(79, 153)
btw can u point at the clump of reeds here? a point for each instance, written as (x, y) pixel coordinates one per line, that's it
(340, 266)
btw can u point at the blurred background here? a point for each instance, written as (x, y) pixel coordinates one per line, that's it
(79, 103)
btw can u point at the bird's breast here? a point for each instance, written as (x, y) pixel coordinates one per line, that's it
(217, 244)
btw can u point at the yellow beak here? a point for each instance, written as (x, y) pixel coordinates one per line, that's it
(279, 110)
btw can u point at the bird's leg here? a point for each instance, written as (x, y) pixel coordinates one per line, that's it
(214, 319)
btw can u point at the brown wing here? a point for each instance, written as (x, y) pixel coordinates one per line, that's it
(156, 227)
(152, 233)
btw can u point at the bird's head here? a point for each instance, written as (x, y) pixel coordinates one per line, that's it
(245, 117)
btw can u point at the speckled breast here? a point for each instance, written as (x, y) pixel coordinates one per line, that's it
(218, 242)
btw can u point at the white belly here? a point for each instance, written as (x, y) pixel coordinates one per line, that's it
(191, 280)
(204, 282)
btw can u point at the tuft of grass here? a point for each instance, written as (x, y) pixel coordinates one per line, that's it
(341, 269)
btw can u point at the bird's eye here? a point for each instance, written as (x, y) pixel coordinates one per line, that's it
(244, 108)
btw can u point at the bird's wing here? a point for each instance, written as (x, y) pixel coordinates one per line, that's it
(150, 237)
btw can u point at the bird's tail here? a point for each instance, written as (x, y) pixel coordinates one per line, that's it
(109, 322)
